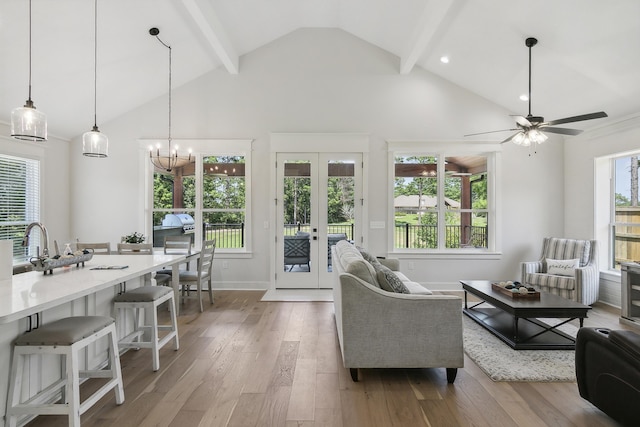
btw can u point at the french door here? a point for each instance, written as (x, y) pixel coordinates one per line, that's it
(319, 202)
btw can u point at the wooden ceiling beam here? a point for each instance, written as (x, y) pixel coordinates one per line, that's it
(211, 28)
(432, 21)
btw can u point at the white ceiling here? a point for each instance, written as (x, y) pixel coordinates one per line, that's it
(587, 58)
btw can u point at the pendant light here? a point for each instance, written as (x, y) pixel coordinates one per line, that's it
(170, 159)
(27, 123)
(95, 143)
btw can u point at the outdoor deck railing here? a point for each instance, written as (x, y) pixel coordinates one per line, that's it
(414, 236)
(405, 235)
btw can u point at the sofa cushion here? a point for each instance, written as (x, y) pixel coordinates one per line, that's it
(368, 257)
(416, 288)
(389, 281)
(353, 263)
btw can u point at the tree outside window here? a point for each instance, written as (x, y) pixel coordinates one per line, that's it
(440, 202)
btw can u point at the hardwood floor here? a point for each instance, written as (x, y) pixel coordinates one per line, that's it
(249, 363)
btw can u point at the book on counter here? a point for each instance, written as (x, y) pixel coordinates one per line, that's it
(110, 267)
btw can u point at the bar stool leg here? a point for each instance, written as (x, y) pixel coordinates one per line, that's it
(15, 386)
(114, 363)
(174, 322)
(154, 339)
(73, 388)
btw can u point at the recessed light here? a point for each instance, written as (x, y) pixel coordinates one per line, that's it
(444, 59)
(524, 97)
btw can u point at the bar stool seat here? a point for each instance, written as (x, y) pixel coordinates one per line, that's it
(64, 337)
(148, 298)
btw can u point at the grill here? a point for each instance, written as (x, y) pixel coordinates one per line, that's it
(185, 221)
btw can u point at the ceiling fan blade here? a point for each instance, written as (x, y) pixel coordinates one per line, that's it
(493, 131)
(522, 121)
(562, 131)
(511, 137)
(598, 115)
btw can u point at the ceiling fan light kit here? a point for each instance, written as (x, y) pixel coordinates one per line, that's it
(531, 129)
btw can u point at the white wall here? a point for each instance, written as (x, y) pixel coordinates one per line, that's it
(322, 80)
(54, 156)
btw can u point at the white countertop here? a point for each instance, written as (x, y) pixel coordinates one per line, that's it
(29, 293)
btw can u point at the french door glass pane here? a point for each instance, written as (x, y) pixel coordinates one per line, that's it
(340, 203)
(297, 215)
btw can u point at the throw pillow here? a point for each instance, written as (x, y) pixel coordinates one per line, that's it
(562, 267)
(389, 281)
(368, 257)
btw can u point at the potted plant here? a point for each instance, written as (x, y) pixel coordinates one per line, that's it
(134, 237)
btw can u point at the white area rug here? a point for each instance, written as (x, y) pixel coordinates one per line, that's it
(501, 363)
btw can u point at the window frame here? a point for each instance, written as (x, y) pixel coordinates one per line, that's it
(33, 180)
(613, 223)
(202, 148)
(442, 150)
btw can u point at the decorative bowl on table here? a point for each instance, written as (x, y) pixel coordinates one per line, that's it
(49, 263)
(515, 289)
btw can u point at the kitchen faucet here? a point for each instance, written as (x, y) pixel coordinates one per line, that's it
(45, 238)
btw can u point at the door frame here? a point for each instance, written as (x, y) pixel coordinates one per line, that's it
(314, 143)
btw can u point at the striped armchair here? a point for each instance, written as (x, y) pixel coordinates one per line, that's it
(583, 286)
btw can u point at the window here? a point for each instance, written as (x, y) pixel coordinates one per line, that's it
(206, 198)
(19, 203)
(441, 202)
(223, 200)
(625, 227)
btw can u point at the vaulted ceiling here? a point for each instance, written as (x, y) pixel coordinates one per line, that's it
(587, 58)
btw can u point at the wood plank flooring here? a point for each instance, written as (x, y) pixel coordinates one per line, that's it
(244, 362)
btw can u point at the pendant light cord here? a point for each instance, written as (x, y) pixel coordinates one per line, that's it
(530, 80)
(29, 102)
(95, 66)
(168, 47)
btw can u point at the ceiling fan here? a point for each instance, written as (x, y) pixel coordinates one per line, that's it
(529, 129)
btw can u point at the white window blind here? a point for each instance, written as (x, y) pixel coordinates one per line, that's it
(19, 203)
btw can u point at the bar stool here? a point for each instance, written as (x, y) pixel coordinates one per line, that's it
(148, 298)
(64, 337)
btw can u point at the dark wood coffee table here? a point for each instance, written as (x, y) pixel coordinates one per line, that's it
(513, 320)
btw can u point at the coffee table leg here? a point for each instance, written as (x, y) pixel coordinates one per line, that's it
(465, 300)
(515, 329)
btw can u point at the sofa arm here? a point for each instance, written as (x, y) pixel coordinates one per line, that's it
(390, 263)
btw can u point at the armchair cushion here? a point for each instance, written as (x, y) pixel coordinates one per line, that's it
(562, 267)
(557, 249)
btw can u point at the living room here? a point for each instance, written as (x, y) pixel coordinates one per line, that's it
(315, 79)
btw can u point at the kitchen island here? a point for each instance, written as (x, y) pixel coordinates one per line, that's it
(33, 298)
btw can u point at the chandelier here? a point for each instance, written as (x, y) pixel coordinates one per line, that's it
(169, 159)
(27, 123)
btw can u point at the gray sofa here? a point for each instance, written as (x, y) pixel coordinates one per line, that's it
(382, 329)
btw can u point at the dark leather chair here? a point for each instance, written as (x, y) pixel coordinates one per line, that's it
(608, 372)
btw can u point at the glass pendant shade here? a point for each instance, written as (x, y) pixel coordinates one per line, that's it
(95, 143)
(28, 124)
